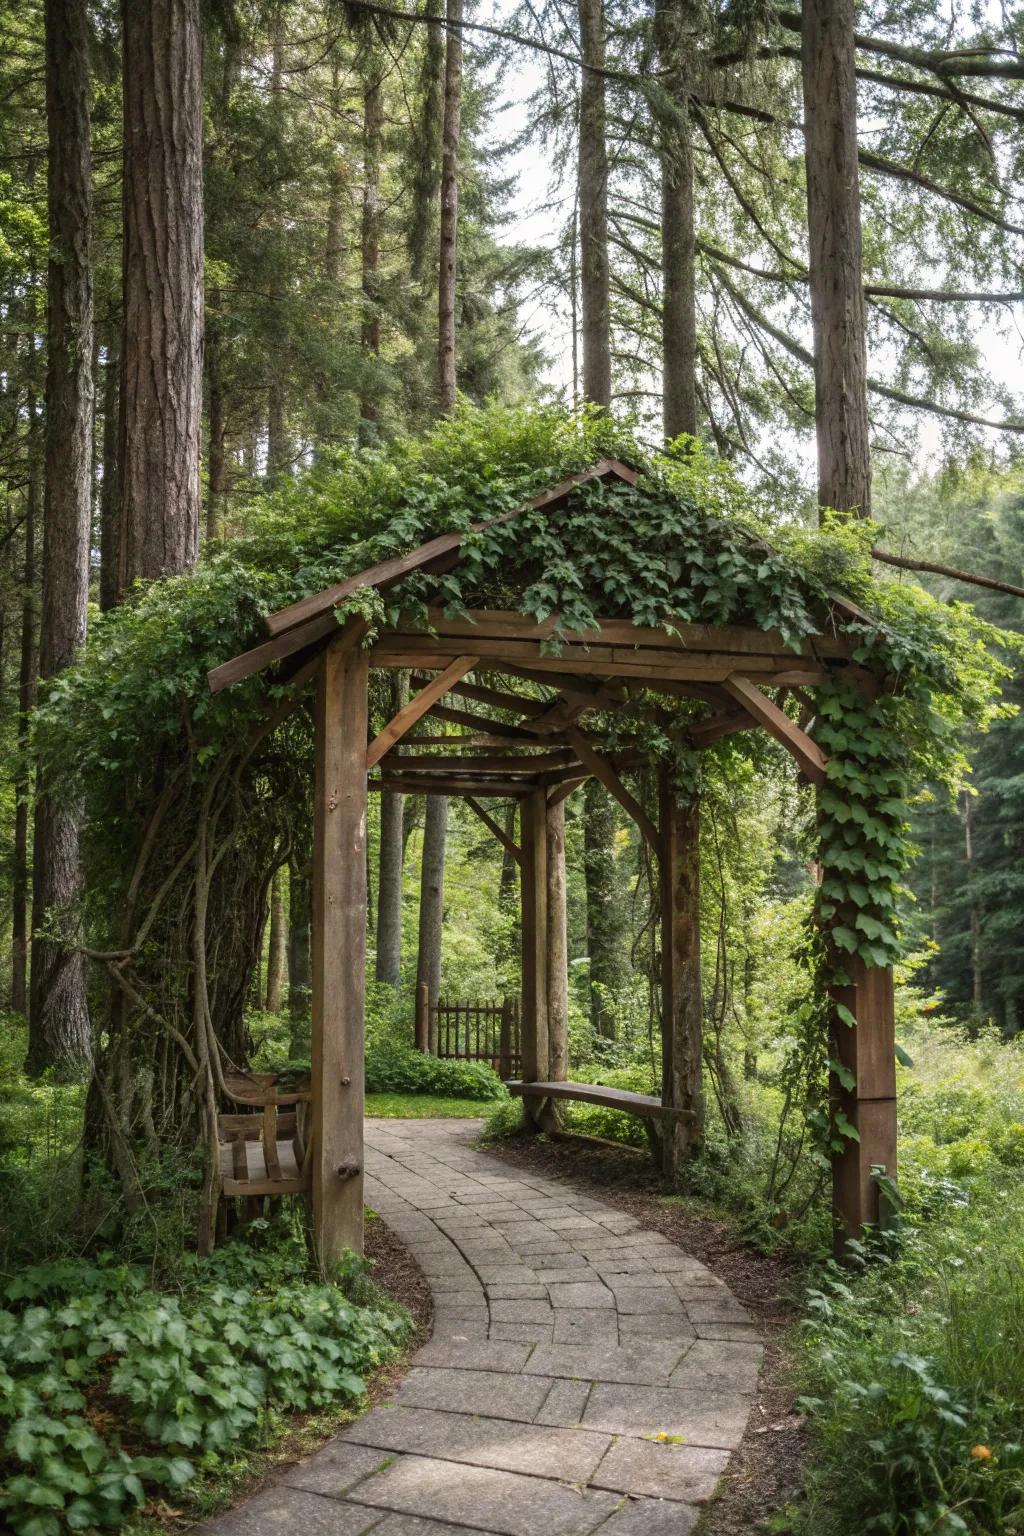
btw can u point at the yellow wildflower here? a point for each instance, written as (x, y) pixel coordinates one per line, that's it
(981, 1453)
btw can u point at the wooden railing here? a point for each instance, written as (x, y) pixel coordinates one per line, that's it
(479, 1030)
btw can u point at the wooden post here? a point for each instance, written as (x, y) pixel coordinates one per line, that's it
(339, 949)
(682, 1002)
(557, 946)
(868, 1051)
(505, 1040)
(423, 1018)
(534, 936)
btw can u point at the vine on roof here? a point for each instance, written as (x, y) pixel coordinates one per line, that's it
(687, 543)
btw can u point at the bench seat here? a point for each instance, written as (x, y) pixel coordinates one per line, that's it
(646, 1105)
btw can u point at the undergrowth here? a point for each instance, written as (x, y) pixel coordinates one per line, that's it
(110, 1388)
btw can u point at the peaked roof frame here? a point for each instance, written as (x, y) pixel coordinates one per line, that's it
(607, 667)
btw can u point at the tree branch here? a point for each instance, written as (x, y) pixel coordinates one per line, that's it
(905, 563)
(900, 397)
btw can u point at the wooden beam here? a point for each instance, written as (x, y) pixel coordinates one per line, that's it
(475, 722)
(339, 950)
(515, 703)
(766, 712)
(480, 762)
(437, 784)
(602, 769)
(417, 708)
(263, 656)
(394, 649)
(496, 829)
(741, 640)
(562, 791)
(476, 740)
(387, 572)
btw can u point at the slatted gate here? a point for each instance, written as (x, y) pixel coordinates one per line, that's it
(480, 1030)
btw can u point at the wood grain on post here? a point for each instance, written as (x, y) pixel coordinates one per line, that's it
(339, 949)
(868, 1051)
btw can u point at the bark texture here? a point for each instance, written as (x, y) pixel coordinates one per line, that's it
(276, 944)
(557, 946)
(300, 974)
(110, 499)
(162, 369)
(678, 249)
(446, 357)
(392, 858)
(58, 1015)
(27, 673)
(682, 1009)
(593, 219)
(605, 909)
(435, 834)
(373, 128)
(834, 231)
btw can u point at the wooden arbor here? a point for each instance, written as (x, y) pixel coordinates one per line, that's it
(539, 761)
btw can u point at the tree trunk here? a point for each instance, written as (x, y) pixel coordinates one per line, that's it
(334, 247)
(276, 944)
(215, 463)
(110, 501)
(679, 302)
(834, 233)
(373, 126)
(593, 184)
(682, 1001)
(392, 859)
(977, 974)
(26, 700)
(557, 946)
(300, 975)
(162, 336)
(279, 448)
(605, 921)
(446, 362)
(435, 831)
(58, 1015)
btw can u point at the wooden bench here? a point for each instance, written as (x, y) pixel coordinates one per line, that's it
(262, 1151)
(647, 1106)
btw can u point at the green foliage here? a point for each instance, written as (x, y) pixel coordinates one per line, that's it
(392, 1068)
(108, 1386)
(505, 1119)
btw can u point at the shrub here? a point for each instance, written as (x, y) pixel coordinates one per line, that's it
(186, 1376)
(392, 1068)
(914, 1370)
(505, 1119)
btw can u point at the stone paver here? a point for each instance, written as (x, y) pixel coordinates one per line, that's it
(566, 1341)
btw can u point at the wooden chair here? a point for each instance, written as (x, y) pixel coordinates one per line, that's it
(261, 1151)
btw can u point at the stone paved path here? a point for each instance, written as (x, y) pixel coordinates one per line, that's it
(584, 1376)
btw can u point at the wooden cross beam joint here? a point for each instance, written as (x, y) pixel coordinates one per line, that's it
(416, 708)
(777, 723)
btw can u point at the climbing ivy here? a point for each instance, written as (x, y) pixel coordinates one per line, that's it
(687, 543)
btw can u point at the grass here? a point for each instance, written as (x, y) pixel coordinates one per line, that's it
(423, 1106)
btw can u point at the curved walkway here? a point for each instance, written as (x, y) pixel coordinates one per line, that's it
(584, 1376)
